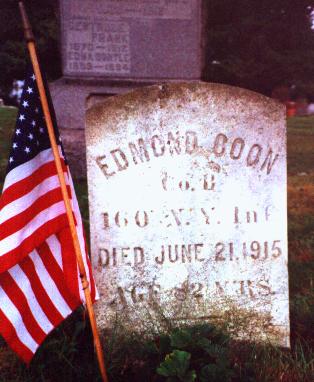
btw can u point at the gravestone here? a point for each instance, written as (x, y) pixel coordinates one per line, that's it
(131, 38)
(110, 47)
(188, 209)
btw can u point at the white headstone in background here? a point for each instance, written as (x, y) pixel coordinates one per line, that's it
(188, 213)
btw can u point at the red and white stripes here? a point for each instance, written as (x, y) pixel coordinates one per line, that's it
(39, 279)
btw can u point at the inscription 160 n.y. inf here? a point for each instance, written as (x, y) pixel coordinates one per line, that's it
(183, 217)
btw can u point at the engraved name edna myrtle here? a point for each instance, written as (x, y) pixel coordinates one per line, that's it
(258, 156)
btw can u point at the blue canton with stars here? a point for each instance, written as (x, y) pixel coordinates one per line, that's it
(30, 135)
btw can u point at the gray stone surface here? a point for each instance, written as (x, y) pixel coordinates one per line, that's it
(131, 38)
(187, 194)
(113, 46)
(70, 99)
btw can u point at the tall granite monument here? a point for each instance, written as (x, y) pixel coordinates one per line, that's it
(188, 208)
(110, 47)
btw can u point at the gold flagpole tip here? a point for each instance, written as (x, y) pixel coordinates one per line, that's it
(28, 33)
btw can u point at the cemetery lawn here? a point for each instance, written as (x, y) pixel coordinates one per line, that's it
(67, 354)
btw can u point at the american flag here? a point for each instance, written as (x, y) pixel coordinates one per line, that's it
(39, 278)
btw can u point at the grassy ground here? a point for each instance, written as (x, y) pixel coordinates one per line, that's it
(7, 120)
(301, 228)
(67, 354)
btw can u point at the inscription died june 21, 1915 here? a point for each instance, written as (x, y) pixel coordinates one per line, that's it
(187, 190)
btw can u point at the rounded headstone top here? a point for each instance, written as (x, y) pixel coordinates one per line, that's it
(225, 101)
(187, 195)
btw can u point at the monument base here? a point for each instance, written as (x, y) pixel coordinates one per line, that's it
(71, 97)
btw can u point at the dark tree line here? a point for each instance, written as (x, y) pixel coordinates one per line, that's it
(260, 44)
(255, 44)
(43, 15)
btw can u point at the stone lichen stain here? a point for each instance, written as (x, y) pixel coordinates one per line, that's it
(160, 108)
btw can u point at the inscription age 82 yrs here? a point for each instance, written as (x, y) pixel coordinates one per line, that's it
(134, 294)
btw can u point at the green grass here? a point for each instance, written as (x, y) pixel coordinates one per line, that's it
(301, 227)
(67, 354)
(300, 145)
(7, 121)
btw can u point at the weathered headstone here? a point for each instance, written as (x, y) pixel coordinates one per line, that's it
(187, 193)
(110, 47)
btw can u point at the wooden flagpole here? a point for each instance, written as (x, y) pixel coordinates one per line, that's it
(44, 102)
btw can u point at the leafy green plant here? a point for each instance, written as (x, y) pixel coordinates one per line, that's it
(67, 354)
(200, 352)
(176, 367)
